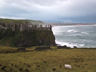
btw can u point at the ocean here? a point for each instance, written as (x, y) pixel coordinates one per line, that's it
(75, 35)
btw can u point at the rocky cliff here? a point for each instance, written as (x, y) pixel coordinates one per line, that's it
(25, 33)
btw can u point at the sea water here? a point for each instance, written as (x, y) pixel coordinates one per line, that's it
(76, 35)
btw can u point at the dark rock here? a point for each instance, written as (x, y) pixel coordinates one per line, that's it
(21, 69)
(63, 47)
(21, 49)
(43, 48)
(3, 68)
(54, 69)
(75, 47)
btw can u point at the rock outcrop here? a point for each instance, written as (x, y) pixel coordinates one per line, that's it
(25, 33)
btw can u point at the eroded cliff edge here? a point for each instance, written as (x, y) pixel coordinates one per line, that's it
(25, 33)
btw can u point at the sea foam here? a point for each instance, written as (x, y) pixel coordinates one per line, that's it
(68, 44)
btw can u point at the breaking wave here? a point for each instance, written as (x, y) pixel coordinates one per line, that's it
(69, 44)
(72, 30)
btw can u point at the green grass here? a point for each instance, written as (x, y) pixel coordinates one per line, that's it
(6, 49)
(18, 21)
(82, 60)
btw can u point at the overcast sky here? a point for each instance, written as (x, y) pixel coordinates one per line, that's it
(50, 10)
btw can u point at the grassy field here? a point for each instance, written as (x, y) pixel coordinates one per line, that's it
(82, 60)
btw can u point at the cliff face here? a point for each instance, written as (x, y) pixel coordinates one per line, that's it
(34, 38)
(25, 34)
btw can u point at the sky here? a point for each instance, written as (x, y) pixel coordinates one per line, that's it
(50, 10)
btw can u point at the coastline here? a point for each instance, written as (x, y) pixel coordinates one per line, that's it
(61, 32)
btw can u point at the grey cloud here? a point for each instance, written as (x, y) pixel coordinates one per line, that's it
(49, 9)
